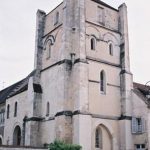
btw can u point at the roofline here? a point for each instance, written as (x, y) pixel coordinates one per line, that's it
(12, 85)
(54, 9)
(3, 102)
(104, 4)
(25, 89)
(30, 75)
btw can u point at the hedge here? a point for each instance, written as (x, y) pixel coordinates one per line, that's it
(59, 145)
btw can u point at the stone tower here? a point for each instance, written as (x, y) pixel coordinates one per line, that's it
(82, 64)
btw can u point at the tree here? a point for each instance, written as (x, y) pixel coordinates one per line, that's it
(59, 145)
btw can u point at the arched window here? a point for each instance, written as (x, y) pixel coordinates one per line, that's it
(47, 109)
(102, 82)
(15, 110)
(111, 49)
(48, 49)
(93, 44)
(56, 19)
(48, 45)
(98, 138)
(8, 109)
(17, 136)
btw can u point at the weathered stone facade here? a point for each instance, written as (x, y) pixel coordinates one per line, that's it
(81, 90)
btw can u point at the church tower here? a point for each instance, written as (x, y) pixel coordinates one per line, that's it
(82, 64)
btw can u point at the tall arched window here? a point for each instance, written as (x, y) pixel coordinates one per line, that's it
(47, 109)
(102, 81)
(48, 49)
(15, 110)
(111, 49)
(8, 109)
(93, 44)
(98, 138)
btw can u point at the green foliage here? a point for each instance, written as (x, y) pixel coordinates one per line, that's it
(59, 145)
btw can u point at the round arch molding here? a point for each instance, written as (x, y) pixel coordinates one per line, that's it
(49, 38)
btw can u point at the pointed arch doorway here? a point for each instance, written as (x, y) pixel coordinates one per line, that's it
(103, 138)
(17, 136)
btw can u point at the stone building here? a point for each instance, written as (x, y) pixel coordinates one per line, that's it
(81, 90)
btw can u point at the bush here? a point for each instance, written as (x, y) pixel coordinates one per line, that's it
(59, 145)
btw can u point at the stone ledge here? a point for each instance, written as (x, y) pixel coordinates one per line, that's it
(11, 147)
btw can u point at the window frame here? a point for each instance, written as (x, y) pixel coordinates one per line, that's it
(138, 125)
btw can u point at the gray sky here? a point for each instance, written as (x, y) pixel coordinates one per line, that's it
(17, 37)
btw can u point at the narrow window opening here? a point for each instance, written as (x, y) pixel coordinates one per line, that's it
(93, 44)
(8, 109)
(111, 49)
(102, 81)
(47, 109)
(56, 19)
(48, 49)
(15, 112)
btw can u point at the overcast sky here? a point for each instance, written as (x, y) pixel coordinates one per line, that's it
(17, 37)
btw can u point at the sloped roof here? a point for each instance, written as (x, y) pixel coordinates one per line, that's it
(141, 87)
(142, 91)
(15, 88)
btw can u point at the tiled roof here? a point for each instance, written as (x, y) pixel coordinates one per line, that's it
(141, 87)
(142, 91)
(15, 88)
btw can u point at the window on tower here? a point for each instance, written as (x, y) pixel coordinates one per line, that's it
(93, 43)
(102, 82)
(101, 15)
(111, 49)
(48, 46)
(48, 49)
(56, 18)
